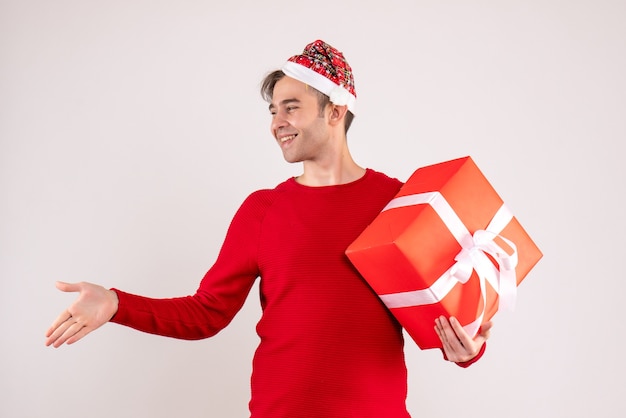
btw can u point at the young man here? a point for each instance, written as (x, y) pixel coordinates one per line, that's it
(329, 347)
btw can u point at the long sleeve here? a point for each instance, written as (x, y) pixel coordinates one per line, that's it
(466, 364)
(221, 293)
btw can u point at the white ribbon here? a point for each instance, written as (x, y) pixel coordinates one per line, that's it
(473, 256)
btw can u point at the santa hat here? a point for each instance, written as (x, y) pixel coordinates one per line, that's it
(324, 68)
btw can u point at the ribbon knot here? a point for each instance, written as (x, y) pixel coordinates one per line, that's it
(477, 252)
(462, 269)
(476, 258)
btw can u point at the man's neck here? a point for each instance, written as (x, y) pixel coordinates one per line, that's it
(316, 175)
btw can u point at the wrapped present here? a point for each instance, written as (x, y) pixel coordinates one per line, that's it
(445, 245)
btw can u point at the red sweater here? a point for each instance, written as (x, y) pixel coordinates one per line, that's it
(329, 348)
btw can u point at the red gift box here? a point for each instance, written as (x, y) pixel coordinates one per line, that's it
(445, 245)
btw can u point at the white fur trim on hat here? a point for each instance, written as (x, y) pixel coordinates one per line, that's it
(338, 95)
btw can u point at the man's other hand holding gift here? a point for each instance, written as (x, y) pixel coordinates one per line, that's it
(458, 346)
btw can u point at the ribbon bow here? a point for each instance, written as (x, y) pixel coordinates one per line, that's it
(474, 256)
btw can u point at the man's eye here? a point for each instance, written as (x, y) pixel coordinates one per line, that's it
(291, 108)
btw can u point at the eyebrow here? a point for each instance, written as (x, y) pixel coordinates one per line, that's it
(283, 103)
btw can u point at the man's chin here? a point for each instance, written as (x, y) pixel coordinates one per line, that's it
(292, 160)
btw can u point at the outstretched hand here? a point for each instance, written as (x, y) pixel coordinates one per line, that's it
(458, 346)
(94, 307)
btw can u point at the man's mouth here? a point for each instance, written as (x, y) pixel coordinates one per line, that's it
(287, 138)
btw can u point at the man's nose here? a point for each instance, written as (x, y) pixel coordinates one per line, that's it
(278, 121)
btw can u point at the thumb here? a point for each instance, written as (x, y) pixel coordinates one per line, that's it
(485, 328)
(68, 287)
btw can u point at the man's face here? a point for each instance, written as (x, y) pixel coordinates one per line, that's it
(299, 128)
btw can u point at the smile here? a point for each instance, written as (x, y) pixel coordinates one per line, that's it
(287, 138)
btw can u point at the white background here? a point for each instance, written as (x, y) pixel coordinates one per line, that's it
(130, 131)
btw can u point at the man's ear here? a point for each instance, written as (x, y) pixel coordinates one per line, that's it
(337, 113)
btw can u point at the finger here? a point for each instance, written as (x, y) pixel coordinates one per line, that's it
(450, 353)
(80, 334)
(483, 334)
(439, 331)
(461, 335)
(70, 331)
(58, 332)
(64, 287)
(448, 330)
(440, 326)
(57, 322)
(485, 329)
(442, 337)
(451, 344)
(68, 287)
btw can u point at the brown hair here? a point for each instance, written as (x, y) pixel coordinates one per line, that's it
(267, 92)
